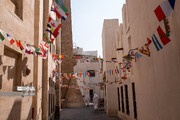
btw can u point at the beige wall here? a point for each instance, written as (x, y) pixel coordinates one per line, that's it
(14, 62)
(83, 68)
(156, 78)
(28, 26)
(109, 36)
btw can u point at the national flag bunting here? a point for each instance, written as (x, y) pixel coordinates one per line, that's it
(146, 50)
(87, 60)
(1, 36)
(28, 51)
(43, 56)
(165, 9)
(137, 55)
(10, 39)
(45, 37)
(162, 36)
(44, 45)
(54, 26)
(156, 43)
(60, 10)
(19, 45)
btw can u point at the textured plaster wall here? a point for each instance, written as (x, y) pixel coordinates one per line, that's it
(156, 78)
(109, 36)
(22, 29)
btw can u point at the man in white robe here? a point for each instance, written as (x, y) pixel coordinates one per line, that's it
(96, 101)
(87, 99)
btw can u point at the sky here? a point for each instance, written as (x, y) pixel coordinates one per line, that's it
(87, 21)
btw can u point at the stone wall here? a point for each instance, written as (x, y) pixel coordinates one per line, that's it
(156, 78)
(68, 63)
(110, 28)
(17, 19)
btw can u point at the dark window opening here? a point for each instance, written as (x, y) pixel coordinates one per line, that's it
(134, 100)
(127, 99)
(18, 8)
(14, 59)
(49, 106)
(91, 94)
(122, 99)
(119, 107)
(92, 73)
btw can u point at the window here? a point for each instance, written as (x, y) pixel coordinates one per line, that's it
(12, 73)
(18, 8)
(92, 73)
(51, 103)
(119, 107)
(127, 99)
(129, 43)
(91, 94)
(49, 106)
(134, 100)
(122, 99)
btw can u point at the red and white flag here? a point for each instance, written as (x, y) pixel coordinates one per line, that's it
(87, 60)
(165, 9)
(55, 26)
(10, 39)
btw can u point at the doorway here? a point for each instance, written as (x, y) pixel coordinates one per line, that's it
(91, 94)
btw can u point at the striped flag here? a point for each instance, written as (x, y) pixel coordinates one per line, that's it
(10, 39)
(156, 43)
(54, 26)
(165, 9)
(45, 37)
(44, 45)
(21, 46)
(28, 51)
(60, 10)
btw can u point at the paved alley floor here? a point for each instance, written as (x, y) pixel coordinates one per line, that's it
(85, 113)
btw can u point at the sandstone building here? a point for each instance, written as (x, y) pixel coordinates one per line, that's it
(89, 84)
(72, 97)
(27, 20)
(150, 91)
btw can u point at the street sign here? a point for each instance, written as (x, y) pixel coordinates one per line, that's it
(25, 88)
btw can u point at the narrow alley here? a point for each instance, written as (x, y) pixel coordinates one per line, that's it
(89, 60)
(85, 113)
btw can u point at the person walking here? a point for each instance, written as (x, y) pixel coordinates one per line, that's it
(87, 99)
(96, 101)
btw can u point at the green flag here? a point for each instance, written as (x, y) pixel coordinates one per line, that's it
(1, 37)
(38, 49)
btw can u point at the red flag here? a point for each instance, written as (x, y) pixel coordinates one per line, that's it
(78, 57)
(162, 36)
(80, 74)
(88, 73)
(115, 71)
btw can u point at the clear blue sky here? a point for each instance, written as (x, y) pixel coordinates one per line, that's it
(87, 21)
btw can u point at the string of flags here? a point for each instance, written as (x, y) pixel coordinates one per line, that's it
(164, 10)
(53, 28)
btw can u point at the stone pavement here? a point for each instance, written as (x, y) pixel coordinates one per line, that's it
(85, 113)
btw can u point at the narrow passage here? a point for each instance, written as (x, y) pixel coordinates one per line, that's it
(84, 113)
